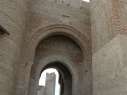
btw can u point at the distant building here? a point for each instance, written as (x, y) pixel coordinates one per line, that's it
(50, 84)
(49, 88)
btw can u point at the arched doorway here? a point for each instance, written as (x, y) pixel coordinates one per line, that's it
(65, 55)
(63, 77)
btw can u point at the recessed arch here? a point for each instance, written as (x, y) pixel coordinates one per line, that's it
(66, 31)
(65, 76)
(58, 29)
(65, 70)
(63, 53)
(60, 66)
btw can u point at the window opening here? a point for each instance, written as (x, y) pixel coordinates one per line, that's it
(86, 0)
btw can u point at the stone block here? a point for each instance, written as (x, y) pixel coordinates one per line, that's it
(109, 70)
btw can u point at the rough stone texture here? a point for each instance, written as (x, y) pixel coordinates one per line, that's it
(62, 49)
(109, 43)
(123, 17)
(109, 69)
(46, 17)
(31, 21)
(12, 19)
(45, 13)
(41, 90)
(101, 12)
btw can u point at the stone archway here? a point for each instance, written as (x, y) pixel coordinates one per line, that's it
(65, 79)
(60, 51)
(83, 68)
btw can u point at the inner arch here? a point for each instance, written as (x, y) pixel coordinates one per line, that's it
(65, 77)
(59, 46)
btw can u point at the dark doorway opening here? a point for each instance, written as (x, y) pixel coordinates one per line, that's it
(63, 78)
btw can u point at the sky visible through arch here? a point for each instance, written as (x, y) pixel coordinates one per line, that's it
(43, 79)
(86, 0)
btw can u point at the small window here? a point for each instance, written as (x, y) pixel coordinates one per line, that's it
(86, 0)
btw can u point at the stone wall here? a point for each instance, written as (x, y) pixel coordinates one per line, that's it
(41, 90)
(64, 50)
(13, 20)
(22, 18)
(109, 43)
(45, 13)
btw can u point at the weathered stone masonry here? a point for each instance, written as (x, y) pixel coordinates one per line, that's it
(98, 28)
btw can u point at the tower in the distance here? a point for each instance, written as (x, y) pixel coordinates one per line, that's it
(50, 84)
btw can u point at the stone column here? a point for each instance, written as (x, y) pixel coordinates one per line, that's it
(50, 84)
(41, 90)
